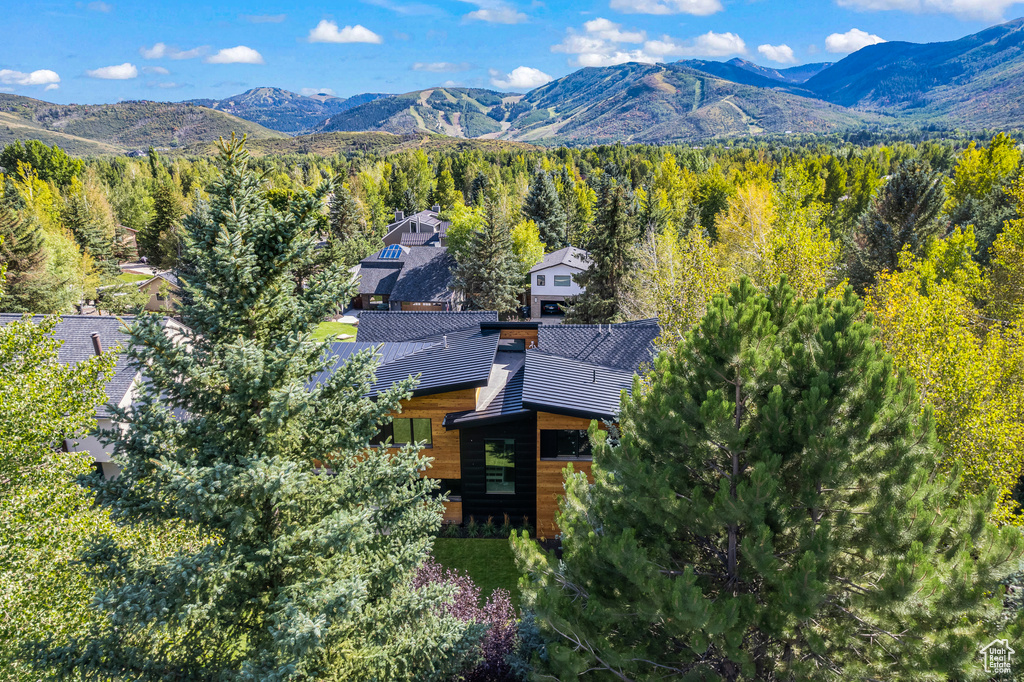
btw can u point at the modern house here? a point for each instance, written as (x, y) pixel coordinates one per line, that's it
(407, 278)
(420, 229)
(83, 336)
(501, 406)
(551, 280)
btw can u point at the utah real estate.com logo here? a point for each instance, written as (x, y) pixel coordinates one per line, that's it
(997, 655)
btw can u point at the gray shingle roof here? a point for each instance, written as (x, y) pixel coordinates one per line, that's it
(419, 238)
(570, 255)
(75, 333)
(380, 326)
(427, 275)
(624, 346)
(420, 273)
(428, 219)
(565, 386)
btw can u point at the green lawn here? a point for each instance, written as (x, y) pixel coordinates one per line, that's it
(326, 330)
(488, 562)
(133, 277)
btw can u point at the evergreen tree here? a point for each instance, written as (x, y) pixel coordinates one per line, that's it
(349, 238)
(313, 540)
(478, 189)
(906, 214)
(771, 509)
(22, 253)
(489, 273)
(445, 195)
(612, 255)
(544, 208)
(89, 232)
(160, 240)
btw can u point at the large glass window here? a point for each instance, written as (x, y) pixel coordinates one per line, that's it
(500, 454)
(563, 280)
(402, 431)
(564, 444)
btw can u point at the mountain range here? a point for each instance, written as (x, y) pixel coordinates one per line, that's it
(976, 82)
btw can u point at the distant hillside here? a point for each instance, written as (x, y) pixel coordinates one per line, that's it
(794, 74)
(282, 110)
(114, 128)
(377, 143)
(977, 81)
(667, 103)
(457, 112)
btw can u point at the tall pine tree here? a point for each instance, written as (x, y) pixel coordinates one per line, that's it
(612, 253)
(773, 509)
(905, 214)
(30, 288)
(543, 207)
(313, 538)
(90, 233)
(160, 240)
(489, 274)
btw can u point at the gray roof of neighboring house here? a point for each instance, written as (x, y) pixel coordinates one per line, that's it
(429, 219)
(75, 333)
(419, 238)
(379, 326)
(427, 275)
(565, 386)
(626, 346)
(169, 277)
(420, 273)
(570, 255)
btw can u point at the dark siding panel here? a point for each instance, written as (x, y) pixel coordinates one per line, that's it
(475, 500)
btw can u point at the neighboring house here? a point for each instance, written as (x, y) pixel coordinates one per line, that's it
(551, 280)
(164, 292)
(420, 229)
(83, 336)
(407, 278)
(502, 406)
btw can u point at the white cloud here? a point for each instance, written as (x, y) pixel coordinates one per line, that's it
(851, 41)
(607, 30)
(520, 78)
(263, 18)
(236, 55)
(99, 7)
(700, 8)
(38, 77)
(440, 67)
(777, 53)
(309, 92)
(155, 70)
(986, 10)
(494, 12)
(328, 32)
(118, 72)
(161, 50)
(52, 86)
(601, 45)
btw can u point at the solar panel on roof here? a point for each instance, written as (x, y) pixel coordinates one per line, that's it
(393, 252)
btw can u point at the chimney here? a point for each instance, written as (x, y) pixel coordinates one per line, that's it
(96, 346)
(399, 216)
(436, 208)
(445, 340)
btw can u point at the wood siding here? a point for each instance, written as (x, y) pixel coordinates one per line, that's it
(529, 336)
(476, 501)
(446, 450)
(453, 512)
(550, 477)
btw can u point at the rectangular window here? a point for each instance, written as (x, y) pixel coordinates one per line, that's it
(500, 461)
(564, 444)
(540, 280)
(404, 431)
(563, 280)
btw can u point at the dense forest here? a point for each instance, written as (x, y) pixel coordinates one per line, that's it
(915, 251)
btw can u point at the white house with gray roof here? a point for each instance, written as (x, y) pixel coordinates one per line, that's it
(552, 280)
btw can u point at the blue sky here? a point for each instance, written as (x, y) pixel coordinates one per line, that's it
(105, 50)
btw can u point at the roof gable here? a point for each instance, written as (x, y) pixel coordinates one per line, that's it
(572, 256)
